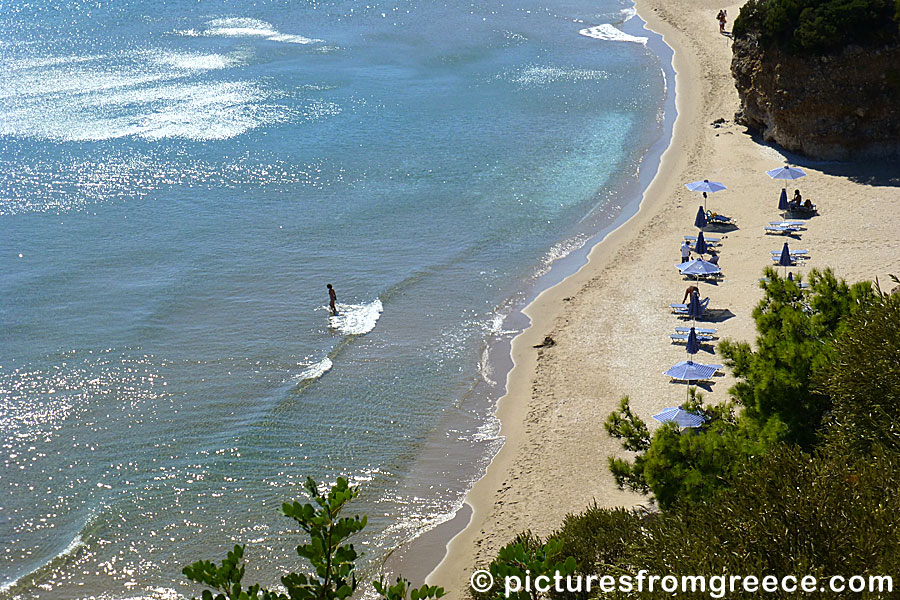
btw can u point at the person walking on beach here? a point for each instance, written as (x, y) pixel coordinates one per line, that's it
(722, 19)
(685, 252)
(332, 296)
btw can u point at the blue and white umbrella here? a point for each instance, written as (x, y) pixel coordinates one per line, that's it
(680, 417)
(786, 172)
(688, 370)
(698, 266)
(706, 186)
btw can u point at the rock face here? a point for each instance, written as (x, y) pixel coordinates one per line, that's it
(844, 106)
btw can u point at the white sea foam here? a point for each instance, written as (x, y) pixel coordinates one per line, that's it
(74, 545)
(316, 370)
(244, 27)
(609, 33)
(356, 319)
(628, 13)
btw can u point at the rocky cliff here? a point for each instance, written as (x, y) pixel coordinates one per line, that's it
(842, 106)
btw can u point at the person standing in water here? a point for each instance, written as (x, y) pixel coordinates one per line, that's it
(332, 296)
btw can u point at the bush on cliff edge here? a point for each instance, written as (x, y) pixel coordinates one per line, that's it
(819, 26)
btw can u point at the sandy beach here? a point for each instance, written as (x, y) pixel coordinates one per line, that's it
(610, 321)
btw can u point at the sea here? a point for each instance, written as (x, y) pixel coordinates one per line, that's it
(180, 179)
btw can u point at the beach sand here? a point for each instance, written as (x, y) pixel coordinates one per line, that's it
(610, 321)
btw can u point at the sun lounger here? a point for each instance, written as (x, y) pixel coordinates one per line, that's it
(803, 286)
(795, 258)
(800, 224)
(683, 338)
(706, 331)
(794, 253)
(802, 211)
(712, 219)
(682, 309)
(781, 230)
(709, 240)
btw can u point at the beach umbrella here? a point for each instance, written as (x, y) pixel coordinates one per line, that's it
(688, 370)
(700, 246)
(693, 345)
(705, 186)
(680, 417)
(698, 266)
(783, 201)
(785, 259)
(786, 172)
(694, 310)
(700, 219)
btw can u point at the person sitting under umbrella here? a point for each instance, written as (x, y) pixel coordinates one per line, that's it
(796, 200)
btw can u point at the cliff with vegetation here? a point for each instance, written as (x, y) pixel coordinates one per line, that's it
(821, 78)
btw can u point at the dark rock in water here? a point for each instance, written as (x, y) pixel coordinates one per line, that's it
(844, 106)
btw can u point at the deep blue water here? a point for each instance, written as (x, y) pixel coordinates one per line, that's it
(178, 182)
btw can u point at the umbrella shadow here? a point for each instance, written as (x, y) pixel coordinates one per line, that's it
(717, 315)
(721, 227)
(706, 385)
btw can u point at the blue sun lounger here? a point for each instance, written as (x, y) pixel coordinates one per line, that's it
(682, 338)
(798, 224)
(709, 240)
(703, 330)
(681, 309)
(803, 286)
(782, 229)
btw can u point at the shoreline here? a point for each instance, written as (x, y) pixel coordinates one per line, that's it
(429, 546)
(478, 499)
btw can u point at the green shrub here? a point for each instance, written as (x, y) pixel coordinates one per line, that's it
(527, 556)
(790, 513)
(795, 332)
(599, 539)
(864, 380)
(819, 26)
(692, 464)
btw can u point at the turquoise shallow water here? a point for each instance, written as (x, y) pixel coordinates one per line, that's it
(179, 180)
